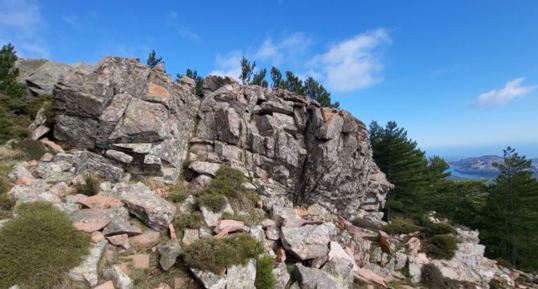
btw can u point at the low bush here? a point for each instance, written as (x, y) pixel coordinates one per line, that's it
(215, 255)
(505, 263)
(178, 193)
(213, 202)
(194, 220)
(33, 149)
(39, 246)
(227, 182)
(400, 225)
(90, 186)
(440, 247)
(432, 278)
(264, 274)
(433, 229)
(8, 155)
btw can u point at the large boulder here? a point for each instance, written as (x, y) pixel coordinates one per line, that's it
(309, 241)
(148, 124)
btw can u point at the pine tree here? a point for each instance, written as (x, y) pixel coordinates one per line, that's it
(510, 218)
(276, 77)
(198, 80)
(8, 74)
(258, 78)
(247, 70)
(314, 90)
(153, 60)
(405, 166)
(294, 83)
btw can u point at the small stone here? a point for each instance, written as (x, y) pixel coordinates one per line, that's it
(190, 236)
(140, 261)
(231, 225)
(90, 220)
(179, 283)
(168, 255)
(147, 239)
(107, 285)
(384, 241)
(119, 240)
(97, 237)
(47, 157)
(118, 225)
(100, 202)
(119, 278)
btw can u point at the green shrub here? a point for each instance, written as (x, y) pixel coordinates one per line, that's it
(433, 229)
(432, 278)
(215, 255)
(228, 216)
(264, 273)
(441, 247)
(33, 149)
(227, 182)
(400, 225)
(178, 194)
(194, 220)
(91, 186)
(213, 202)
(505, 263)
(39, 246)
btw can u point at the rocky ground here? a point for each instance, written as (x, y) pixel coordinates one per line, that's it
(145, 135)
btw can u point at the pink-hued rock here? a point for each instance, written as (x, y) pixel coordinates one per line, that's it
(384, 241)
(268, 223)
(91, 220)
(97, 237)
(147, 239)
(124, 267)
(231, 225)
(107, 285)
(53, 146)
(59, 189)
(120, 240)
(39, 132)
(173, 235)
(140, 261)
(100, 202)
(161, 193)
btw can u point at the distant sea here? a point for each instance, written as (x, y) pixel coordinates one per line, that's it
(452, 169)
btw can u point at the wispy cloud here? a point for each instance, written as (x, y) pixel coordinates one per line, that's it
(445, 71)
(502, 96)
(21, 24)
(182, 30)
(354, 63)
(287, 48)
(228, 65)
(72, 20)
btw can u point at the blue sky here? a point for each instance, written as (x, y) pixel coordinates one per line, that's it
(460, 76)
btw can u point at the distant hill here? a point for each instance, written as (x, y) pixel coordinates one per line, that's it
(484, 166)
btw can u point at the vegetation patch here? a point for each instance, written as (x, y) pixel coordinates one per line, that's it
(215, 255)
(433, 229)
(178, 193)
(39, 246)
(432, 277)
(90, 186)
(213, 202)
(194, 220)
(400, 225)
(441, 247)
(264, 273)
(33, 149)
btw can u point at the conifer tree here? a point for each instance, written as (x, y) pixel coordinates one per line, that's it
(258, 78)
(276, 77)
(8, 73)
(198, 80)
(153, 60)
(316, 91)
(510, 216)
(405, 166)
(247, 70)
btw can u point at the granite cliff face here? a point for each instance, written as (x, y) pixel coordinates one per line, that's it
(142, 121)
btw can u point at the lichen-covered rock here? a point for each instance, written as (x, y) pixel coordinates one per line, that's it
(87, 271)
(154, 211)
(312, 278)
(241, 277)
(119, 278)
(309, 241)
(168, 254)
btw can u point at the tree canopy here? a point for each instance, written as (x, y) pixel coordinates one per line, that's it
(153, 60)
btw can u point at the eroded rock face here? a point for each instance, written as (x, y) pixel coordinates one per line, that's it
(285, 143)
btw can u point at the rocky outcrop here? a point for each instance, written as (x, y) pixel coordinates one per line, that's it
(39, 75)
(145, 123)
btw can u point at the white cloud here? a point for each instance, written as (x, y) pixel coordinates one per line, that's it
(289, 47)
(502, 96)
(72, 20)
(21, 24)
(354, 63)
(230, 65)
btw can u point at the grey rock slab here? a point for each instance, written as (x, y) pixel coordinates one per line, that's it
(280, 272)
(118, 225)
(87, 271)
(341, 269)
(204, 167)
(241, 277)
(307, 242)
(168, 254)
(119, 156)
(210, 280)
(312, 278)
(190, 236)
(154, 211)
(118, 277)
